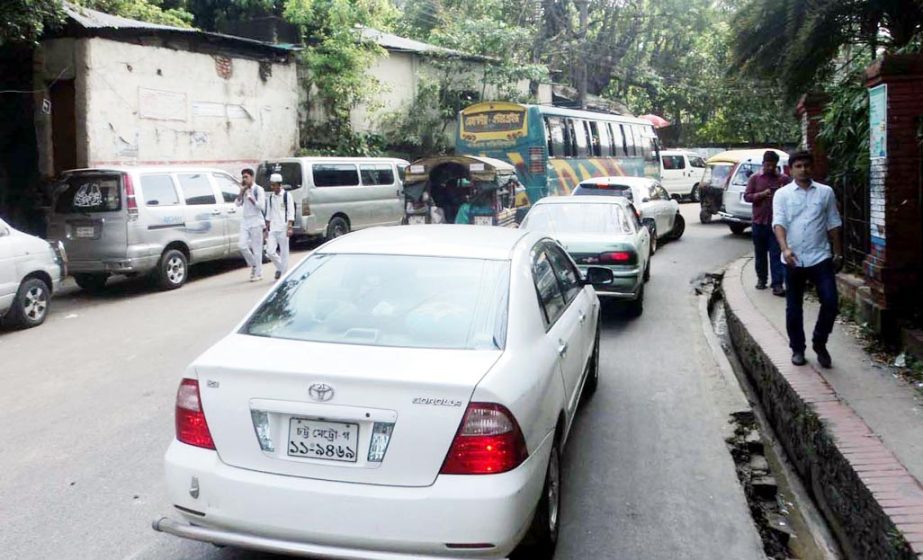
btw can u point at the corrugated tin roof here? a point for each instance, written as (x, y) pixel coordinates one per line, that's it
(402, 44)
(100, 22)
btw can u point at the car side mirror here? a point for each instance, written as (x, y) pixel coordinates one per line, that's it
(598, 275)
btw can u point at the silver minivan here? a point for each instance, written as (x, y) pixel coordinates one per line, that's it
(335, 195)
(144, 220)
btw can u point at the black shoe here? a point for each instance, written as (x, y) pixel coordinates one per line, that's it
(761, 285)
(278, 274)
(778, 291)
(798, 359)
(823, 357)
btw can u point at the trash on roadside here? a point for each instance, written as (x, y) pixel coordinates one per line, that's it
(901, 360)
(71, 316)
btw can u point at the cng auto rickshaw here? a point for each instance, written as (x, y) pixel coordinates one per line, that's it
(463, 190)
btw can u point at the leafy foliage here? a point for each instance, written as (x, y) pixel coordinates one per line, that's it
(24, 21)
(151, 11)
(801, 40)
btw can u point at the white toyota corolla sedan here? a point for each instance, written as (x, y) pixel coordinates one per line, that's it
(402, 393)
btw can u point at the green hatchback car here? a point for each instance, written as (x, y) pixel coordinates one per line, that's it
(600, 231)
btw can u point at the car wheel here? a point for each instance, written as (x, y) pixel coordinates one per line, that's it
(636, 307)
(679, 227)
(31, 304)
(91, 282)
(737, 229)
(653, 229)
(694, 193)
(704, 215)
(337, 227)
(592, 376)
(173, 270)
(543, 533)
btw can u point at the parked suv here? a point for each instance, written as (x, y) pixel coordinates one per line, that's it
(725, 182)
(681, 172)
(334, 196)
(31, 270)
(144, 220)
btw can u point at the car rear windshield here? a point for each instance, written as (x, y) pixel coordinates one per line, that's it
(89, 193)
(576, 218)
(389, 300)
(290, 171)
(744, 171)
(603, 189)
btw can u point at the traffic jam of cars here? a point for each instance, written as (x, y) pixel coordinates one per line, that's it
(446, 361)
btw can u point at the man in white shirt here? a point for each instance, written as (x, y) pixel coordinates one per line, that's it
(252, 223)
(806, 223)
(280, 219)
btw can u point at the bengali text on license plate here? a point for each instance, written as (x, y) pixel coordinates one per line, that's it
(86, 231)
(416, 220)
(318, 439)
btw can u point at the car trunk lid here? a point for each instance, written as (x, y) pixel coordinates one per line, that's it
(339, 412)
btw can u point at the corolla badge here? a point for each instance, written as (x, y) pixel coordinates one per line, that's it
(320, 392)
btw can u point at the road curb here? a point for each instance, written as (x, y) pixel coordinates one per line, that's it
(873, 504)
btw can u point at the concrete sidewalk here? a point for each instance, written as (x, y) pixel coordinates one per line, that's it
(854, 432)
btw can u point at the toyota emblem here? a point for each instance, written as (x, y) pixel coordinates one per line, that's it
(320, 392)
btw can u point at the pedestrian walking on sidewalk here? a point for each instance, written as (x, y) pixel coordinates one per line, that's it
(807, 224)
(280, 220)
(252, 223)
(760, 190)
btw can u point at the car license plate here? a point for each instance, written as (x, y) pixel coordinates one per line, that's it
(415, 220)
(483, 220)
(319, 439)
(86, 231)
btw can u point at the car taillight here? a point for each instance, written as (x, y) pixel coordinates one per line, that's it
(130, 201)
(191, 427)
(488, 441)
(618, 257)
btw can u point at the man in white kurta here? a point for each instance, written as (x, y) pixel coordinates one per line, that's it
(280, 219)
(252, 200)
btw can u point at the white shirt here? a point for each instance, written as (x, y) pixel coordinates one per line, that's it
(252, 203)
(807, 215)
(280, 209)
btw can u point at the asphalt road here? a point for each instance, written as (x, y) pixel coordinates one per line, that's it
(87, 411)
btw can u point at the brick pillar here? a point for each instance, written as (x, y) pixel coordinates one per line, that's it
(809, 113)
(893, 267)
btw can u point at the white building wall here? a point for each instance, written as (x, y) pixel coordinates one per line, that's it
(149, 105)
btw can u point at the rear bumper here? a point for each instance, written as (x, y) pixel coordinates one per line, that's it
(625, 285)
(323, 519)
(113, 265)
(734, 219)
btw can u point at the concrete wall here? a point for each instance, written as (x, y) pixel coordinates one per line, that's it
(144, 104)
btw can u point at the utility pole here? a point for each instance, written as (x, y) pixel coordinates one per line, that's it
(581, 58)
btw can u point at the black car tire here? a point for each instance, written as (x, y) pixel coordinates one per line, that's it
(737, 229)
(647, 270)
(636, 306)
(679, 227)
(694, 193)
(652, 227)
(592, 376)
(173, 270)
(31, 305)
(337, 227)
(91, 282)
(704, 215)
(542, 538)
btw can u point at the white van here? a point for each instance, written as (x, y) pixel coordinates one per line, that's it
(336, 195)
(681, 171)
(144, 220)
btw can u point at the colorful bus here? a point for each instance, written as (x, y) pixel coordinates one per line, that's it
(553, 148)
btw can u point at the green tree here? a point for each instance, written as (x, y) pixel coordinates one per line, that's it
(24, 21)
(151, 11)
(799, 41)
